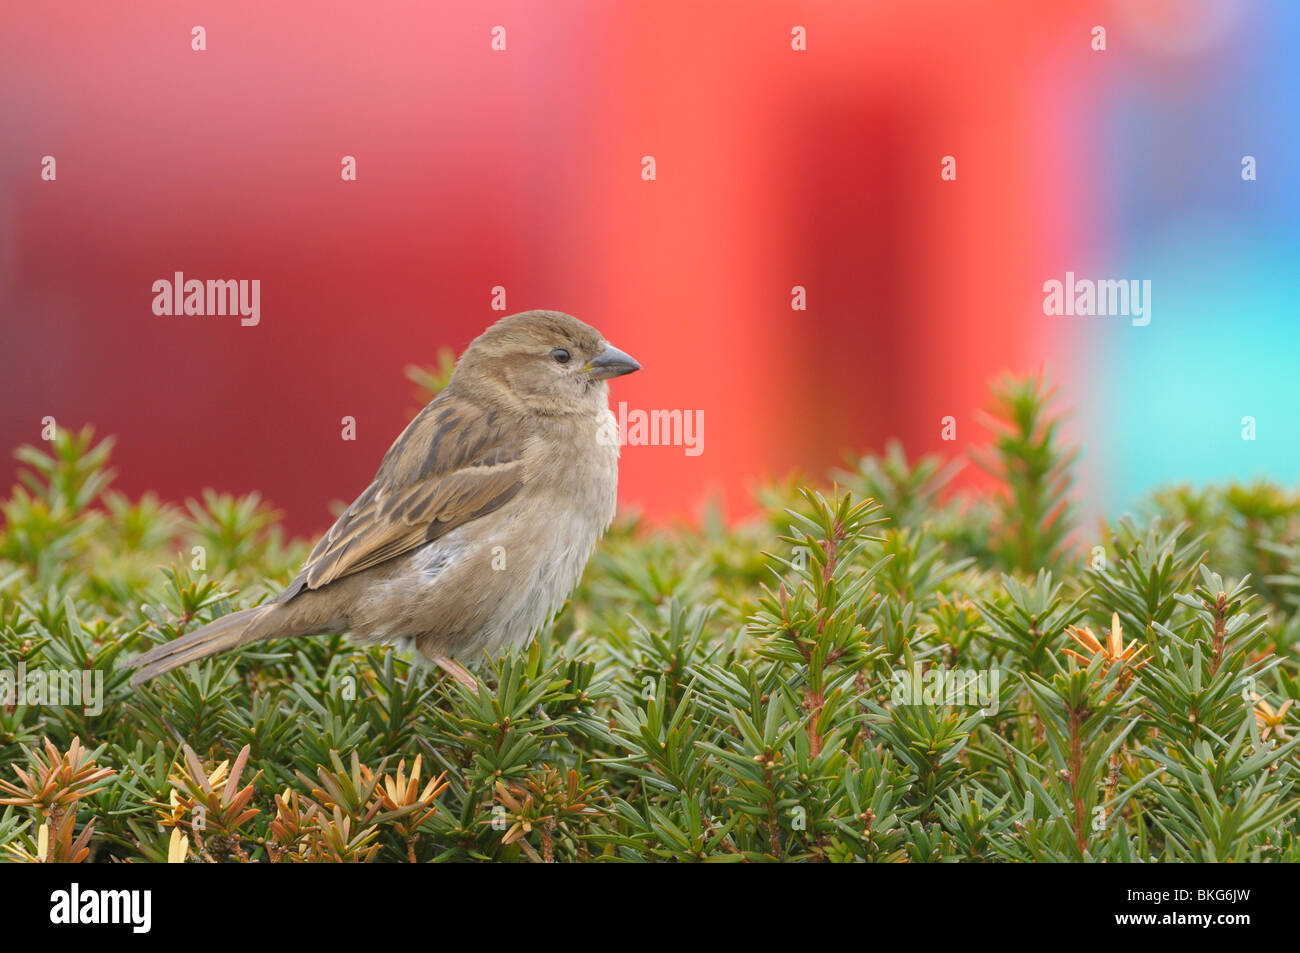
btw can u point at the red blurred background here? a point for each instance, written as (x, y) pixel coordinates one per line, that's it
(522, 168)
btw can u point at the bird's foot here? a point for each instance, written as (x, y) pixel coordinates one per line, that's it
(457, 671)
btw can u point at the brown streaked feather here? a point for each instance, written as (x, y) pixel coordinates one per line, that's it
(455, 462)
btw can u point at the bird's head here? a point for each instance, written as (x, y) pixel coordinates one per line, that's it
(548, 361)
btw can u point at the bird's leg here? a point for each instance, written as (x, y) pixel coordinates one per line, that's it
(457, 671)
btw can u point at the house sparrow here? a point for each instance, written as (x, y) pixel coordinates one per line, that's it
(481, 517)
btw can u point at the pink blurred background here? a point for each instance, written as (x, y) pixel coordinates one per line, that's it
(521, 168)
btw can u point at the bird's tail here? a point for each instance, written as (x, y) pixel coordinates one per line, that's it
(228, 632)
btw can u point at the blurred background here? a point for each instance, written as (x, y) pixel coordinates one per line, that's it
(775, 168)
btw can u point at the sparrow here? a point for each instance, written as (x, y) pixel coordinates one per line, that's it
(480, 520)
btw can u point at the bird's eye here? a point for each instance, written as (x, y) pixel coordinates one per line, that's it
(561, 355)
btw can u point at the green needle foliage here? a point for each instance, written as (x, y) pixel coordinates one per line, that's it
(880, 669)
(1034, 511)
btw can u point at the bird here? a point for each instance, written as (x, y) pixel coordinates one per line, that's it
(481, 517)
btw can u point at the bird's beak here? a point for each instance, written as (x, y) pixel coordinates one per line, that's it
(611, 362)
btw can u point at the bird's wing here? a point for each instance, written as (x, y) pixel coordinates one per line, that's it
(454, 463)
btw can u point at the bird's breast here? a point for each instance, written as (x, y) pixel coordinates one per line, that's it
(492, 582)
